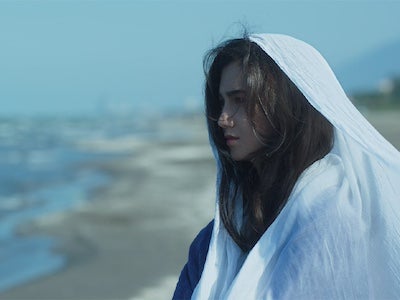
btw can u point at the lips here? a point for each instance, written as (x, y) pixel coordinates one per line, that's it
(231, 139)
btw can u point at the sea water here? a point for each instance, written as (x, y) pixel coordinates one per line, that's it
(39, 176)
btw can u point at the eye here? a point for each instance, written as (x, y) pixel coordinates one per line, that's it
(239, 100)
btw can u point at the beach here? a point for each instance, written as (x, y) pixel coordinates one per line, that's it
(130, 239)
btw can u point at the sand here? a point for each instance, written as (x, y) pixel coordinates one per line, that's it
(130, 240)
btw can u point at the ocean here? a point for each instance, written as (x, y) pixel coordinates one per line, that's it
(40, 176)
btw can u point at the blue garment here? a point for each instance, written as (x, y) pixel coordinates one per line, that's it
(193, 269)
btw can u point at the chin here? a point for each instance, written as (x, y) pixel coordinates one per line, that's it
(236, 158)
(240, 158)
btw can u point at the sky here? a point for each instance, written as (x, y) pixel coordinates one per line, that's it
(90, 57)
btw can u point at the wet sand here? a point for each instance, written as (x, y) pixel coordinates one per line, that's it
(131, 239)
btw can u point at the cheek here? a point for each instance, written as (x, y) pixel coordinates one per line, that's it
(262, 126)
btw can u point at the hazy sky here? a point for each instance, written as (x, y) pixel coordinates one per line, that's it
(67, 57)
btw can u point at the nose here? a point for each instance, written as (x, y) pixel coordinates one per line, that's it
(225, 121)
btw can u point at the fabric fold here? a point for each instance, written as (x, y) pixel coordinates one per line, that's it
(338, 236)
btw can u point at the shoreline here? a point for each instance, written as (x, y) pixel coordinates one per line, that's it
(131, 237)
(132, 234)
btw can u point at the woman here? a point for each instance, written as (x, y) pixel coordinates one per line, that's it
(308, 191)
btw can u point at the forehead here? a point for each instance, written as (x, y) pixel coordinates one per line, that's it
(231, 78)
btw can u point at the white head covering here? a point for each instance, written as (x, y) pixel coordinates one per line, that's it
(338, 236)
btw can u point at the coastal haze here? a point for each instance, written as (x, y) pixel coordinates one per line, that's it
(124, 57)
(107, 174)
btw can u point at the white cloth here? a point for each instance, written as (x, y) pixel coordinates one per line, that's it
(338, 236)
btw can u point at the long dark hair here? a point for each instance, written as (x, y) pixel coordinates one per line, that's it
(300, 136)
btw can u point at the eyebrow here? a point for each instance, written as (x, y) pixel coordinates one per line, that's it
(233, 93)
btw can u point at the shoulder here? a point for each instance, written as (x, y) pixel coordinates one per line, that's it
(325, 174)
(200, 244)
(321, 198)
(322, 187)
(191, 272)
(321, 236)
(198, 251)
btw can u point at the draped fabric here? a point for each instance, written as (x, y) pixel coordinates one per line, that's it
(338, 236)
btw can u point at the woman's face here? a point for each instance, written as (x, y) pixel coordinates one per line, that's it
(238, 130)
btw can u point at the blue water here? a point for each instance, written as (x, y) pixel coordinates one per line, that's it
(39, 176)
